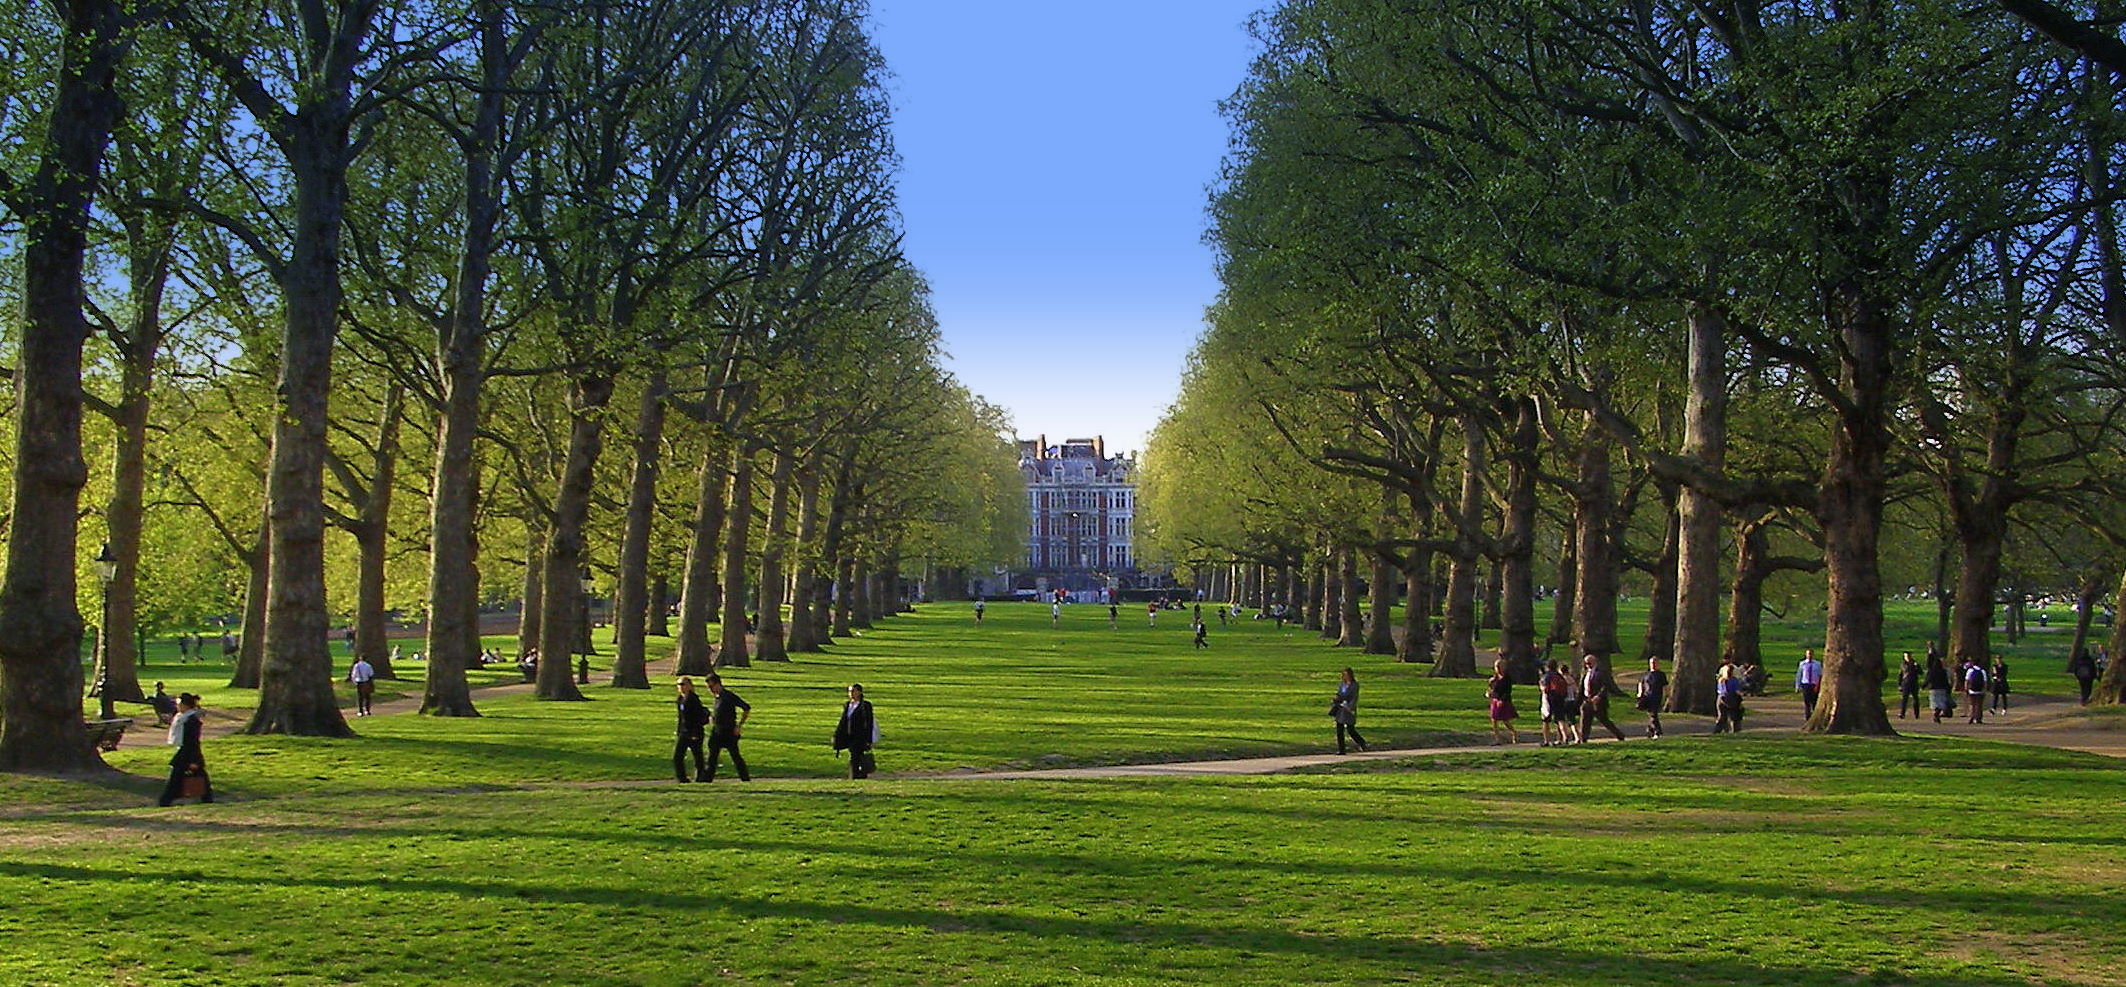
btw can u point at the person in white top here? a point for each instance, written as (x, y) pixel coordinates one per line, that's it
(1808, 680)
(363, 675)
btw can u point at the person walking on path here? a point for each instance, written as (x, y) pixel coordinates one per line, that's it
(1652, 687)
(188, 768)
(1344, 710)
(693, 720)
(2083, 667)
(1597, 685)
(363, 675)
(857, 733)
(1727, 686)
(1997, 687)
(1500, 691)
(1202, 635)
(1808, 680)
(1974, 675)
(1937, 679)
(1909, 676)
(1556, 711)
(726, 721)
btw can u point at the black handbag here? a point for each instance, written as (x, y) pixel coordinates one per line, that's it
(864, 762)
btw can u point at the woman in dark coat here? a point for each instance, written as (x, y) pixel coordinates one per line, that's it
(856, 732)
(187, 762)
(1344, 710)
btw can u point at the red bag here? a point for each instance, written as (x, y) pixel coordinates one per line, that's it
(192, 786)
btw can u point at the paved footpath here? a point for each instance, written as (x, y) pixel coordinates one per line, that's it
(2041, 721)
(2044, 721)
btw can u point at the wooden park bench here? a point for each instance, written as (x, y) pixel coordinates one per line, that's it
(106, 734)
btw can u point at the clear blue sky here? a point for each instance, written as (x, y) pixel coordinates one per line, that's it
(1056, 159)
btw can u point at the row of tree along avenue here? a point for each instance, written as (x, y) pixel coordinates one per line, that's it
(335, 310)
(1549, 301)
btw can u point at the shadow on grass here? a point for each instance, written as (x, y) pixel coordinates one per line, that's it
(1552, 962)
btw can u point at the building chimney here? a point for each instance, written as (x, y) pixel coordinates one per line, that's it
(1099, 447)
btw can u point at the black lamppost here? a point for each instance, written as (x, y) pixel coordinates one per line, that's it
(583, 638)
(106, 570)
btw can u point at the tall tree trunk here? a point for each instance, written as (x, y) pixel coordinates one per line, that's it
(769, 638)
(453, 569)
(453, 533)
(2084, 612)
(731, 650)
(1566, 601)
(1849, 506)
(1457, 653)
(1745, 608)
(1494, 592)
(1416, 644)
(251, 646)
(660, 606)
(296, 684)
(2111, 690)
(1332, 595)
(863, 592)
(703, 590)
(1380, 627)
(372, 533)
(1350, 629)
(1594, 615)
(1660, 637)
(630, 607)
(845, 597)
(804, 626)
(562, 599)
(1516, 563)
(828, 617)
(124, 512)
(1698, 518)
(1317, 591)
(534, 609)
(40, 626)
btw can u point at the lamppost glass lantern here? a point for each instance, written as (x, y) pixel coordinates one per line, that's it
(106, 564)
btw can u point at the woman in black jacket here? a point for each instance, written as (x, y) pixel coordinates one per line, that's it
(187, 762)
(856, 732)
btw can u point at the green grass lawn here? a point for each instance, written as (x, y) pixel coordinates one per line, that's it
(515, 848)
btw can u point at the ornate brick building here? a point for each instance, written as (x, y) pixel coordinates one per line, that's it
(1083, 505)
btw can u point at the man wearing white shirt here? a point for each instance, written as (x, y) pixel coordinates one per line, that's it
(1808, 680)
(364, 678)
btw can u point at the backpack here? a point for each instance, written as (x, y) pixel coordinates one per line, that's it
(1975, 679)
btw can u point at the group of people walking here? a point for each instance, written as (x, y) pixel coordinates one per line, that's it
(718, 725)
(1983, 687)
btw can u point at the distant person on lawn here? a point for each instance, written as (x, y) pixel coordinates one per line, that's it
(1727, 687)
(1974, 674)
(1597, 685)
(1808, 680)
(1202, 635)
(693, 720)
(726, 721)
(1997, 688)
(363, 675)
(1557, 710)
(1500, 691)
(978, 606)
(1344, 710)
(857, 733)
(187, 764)
(2083, 667)
(1909, 677)
(1653, 687)
(1938, 687)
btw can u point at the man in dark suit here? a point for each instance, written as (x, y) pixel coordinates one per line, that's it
(693, 719)
(855, 732)
(726, 721)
